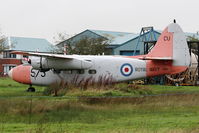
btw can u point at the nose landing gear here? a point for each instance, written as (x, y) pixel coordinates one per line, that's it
(31, 89)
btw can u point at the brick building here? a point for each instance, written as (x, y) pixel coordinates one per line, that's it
(8, 60)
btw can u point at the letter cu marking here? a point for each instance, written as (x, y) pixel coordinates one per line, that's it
(166, 38)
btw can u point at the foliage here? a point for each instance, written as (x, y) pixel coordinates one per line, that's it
(89, 46)
(194, 45)
(59, 38)
(55, 89)
(96, 89)
(85, 46)
(193, 38)
(11, 88)
(3, 45)
(62, 36)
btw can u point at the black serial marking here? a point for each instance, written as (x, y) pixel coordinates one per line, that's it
(166, 38)
(140, 69)
(35, 73)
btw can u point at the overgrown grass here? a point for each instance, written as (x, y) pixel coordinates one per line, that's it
(10, 88)
(156, 114)
(164, 113)
(120, 89)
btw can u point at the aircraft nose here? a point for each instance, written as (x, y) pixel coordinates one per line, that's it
(21, 74)
(10, 73)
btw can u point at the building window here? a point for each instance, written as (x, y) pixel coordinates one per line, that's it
(10, 67)
(8, 55)
(129, 52)
(25, 56)
(13, 55)
(7, 68)
(92, 71)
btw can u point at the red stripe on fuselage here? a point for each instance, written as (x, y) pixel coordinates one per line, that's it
(178, 69)
(155, 68)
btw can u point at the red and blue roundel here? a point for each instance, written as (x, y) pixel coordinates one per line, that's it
(126, 69)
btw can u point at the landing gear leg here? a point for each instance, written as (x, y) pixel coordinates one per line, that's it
(31, 89)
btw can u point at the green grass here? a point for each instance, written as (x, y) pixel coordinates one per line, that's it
(164, 113)
(161, 89)
(9, 88)
(150, 115)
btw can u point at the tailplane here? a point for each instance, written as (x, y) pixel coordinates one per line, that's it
(172, 45)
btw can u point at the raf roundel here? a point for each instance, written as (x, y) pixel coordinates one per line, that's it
(126, 69)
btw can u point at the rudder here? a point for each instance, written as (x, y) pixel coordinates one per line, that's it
(172, 45)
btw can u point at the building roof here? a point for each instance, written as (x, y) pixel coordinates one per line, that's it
(187, 34)
(116, 38)
(29, 44)
(194, 35)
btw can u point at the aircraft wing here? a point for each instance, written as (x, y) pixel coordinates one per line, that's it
(42, 54)
(56, 61)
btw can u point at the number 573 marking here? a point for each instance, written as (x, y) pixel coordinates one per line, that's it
(35, 73)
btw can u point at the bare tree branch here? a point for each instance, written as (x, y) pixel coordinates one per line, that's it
(3, 45)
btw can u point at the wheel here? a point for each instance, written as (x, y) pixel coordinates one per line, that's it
(31, 89)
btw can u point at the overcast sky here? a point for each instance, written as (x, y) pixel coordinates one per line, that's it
(45, 18)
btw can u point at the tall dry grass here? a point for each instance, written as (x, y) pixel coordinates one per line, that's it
(21, 106)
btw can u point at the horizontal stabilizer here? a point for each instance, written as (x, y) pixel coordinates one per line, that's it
(155, 58)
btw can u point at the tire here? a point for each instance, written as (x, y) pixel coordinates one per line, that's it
(31, 89)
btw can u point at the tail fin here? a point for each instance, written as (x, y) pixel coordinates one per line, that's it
(171, 45)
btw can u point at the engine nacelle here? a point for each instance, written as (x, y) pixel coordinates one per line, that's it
(43, 63)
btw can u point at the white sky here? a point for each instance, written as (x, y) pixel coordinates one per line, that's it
(45, 18)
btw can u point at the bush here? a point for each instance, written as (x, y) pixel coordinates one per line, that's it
(135, 89)
(55, 89)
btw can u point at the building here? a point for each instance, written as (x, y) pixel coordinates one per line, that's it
(120, 43)
(8, 60)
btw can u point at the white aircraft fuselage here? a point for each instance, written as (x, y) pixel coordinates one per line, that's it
(169, 56)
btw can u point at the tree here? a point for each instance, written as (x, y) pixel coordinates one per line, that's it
(3, 45)
(59, 37)
(85, 46)
(194, 45)
(89, 46)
